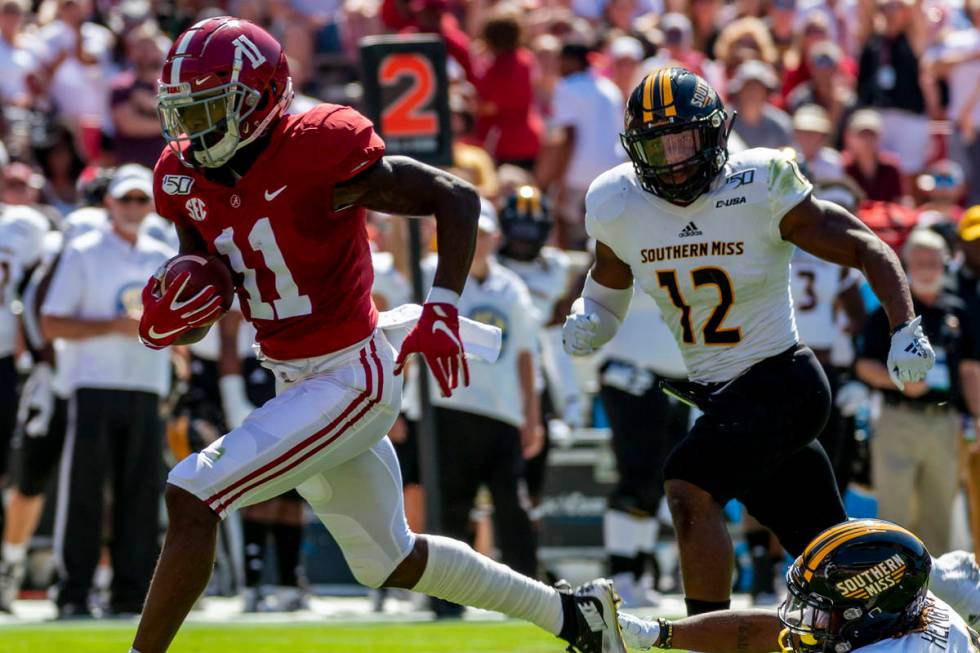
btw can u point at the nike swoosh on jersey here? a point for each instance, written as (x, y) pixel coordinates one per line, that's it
(153, 333)
(271, 196)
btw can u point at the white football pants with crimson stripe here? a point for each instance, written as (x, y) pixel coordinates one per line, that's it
(325, 435)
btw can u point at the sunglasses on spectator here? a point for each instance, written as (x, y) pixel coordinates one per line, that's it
(824, 61)
(944, 181)
(134, 199)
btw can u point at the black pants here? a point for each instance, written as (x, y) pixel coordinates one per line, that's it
(115, 437)
(39, 456)
(476, 450)
(836, 437)
(8, 409)
(756, 442)
(645, 428)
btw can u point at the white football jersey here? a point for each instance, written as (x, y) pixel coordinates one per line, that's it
(944, 632)
(815, 285)
(546, 278)
(718, 268)
(22, 232)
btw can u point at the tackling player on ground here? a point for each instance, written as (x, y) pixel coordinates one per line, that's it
(710, 238)
(280, 197)
(859, 586)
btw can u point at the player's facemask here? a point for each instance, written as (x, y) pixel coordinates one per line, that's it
(810, 624)
(678, 161)
(209, 120)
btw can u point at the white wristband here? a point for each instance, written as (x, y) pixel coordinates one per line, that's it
(439, 295)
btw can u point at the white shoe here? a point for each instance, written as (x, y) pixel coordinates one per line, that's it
(598, 618)
(955, 579)
(11, 578)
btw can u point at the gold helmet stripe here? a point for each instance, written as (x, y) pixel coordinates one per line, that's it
(648, 99)
(667, 94)
(832, 532)
(864, 528)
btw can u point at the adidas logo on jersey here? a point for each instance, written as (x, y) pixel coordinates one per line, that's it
(731, 201)
(690, 230)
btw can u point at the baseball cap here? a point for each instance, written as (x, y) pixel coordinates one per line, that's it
(626, 47)
(811, 118)
(131, 177)
(25, 174)
(970, 224)
(825, 54)
(753, 70)
(865, 120)
(677, 23)
(488, 217)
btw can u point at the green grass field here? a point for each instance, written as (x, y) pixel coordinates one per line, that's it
(454, 637)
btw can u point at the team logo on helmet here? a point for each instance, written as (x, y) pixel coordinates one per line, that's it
(875, 580)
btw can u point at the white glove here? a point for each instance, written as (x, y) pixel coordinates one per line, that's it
(37, 401)
(234, 401)
(850, 397)
(911, 356)
(638, 633)
(578, 334)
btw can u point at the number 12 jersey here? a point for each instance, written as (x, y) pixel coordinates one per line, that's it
(718, 268)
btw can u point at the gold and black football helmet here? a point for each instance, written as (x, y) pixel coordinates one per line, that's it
(676, 134)
(856, 583)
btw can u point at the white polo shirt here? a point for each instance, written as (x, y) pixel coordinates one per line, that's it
(594, 106)
(502, 300)
(101, 276)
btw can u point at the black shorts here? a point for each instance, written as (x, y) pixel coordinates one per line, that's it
(40, 456)
(408, 455)
(260, 383)
(8, 407)
(756, 442)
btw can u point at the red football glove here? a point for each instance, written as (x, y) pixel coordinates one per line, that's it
(165, 318)
(436, 337)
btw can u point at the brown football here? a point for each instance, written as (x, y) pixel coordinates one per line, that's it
(206, 270)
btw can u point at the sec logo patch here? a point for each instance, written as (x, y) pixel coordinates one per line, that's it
(196, 209)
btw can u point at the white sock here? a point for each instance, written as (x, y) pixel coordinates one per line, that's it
(14, 554)
(457, 573)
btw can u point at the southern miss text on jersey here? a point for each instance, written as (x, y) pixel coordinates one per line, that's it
(718, 268)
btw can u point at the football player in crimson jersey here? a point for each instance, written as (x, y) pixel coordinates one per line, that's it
(281, 198)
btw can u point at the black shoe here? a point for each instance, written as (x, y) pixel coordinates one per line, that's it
(72, 611)
(593, 607)
(446, 609)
